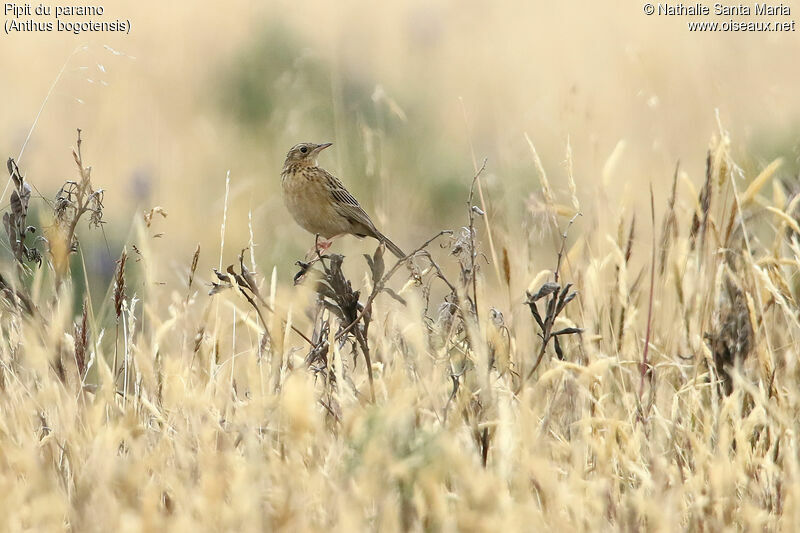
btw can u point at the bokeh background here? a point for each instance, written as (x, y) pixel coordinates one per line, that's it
(413, 95)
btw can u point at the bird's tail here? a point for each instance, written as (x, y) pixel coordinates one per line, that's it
(390, 245)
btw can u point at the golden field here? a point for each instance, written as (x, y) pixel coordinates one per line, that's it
(613, 347)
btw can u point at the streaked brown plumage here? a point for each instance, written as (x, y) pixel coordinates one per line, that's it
(319, 202)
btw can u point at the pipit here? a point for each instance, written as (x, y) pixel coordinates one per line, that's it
(319, 202)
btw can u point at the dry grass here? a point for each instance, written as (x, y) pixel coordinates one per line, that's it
(424, 394)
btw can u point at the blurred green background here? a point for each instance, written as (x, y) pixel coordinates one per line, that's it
(412, 94)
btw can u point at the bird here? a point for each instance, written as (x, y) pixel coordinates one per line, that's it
(320, 203)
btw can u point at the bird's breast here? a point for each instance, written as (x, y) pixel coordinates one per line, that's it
(309, 202)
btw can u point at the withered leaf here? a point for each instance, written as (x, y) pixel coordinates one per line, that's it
(217, 288)
(546, 289)
(536, 315)
(377, 264)
(221, 276)
(557, 346)
(567, 331)
(394, 295)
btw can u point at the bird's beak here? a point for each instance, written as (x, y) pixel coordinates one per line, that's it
(321, 147)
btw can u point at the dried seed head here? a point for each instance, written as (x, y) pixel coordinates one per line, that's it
(506, 267)
(149, 214)
(119, 284)
(193, 268)
(81, 337)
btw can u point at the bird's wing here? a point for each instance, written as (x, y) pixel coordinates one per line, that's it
(346, 204)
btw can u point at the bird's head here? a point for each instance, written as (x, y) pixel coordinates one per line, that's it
(305, 154)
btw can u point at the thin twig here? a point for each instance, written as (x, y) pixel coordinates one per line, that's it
(645, 363)
(563, 245)
(472, 252)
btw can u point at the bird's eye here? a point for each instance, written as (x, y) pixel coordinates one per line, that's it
(304, 149)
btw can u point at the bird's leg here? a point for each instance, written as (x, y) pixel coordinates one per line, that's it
(320, 247)
(323, 245)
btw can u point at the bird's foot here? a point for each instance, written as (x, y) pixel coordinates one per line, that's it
(320, 247)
